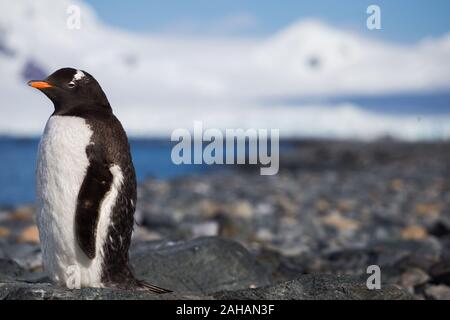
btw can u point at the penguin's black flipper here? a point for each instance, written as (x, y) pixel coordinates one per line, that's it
(152, 288)
(96, 184)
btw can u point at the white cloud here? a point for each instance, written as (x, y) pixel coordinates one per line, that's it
(157, 83)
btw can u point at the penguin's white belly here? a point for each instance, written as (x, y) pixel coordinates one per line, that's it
(61, 168)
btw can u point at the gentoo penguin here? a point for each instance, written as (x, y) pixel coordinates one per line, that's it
(86, 187)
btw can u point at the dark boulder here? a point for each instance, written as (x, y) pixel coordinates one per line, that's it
(319, 287)
(202, 265)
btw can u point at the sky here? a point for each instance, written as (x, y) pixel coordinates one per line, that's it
(402, 20)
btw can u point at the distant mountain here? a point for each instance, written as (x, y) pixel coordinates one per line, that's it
(157, 83)
(325, 60)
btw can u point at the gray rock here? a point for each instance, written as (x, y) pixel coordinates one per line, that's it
(10, 270)
(196, 267)
(307, 287)
(413, 277)
(399, 254)
(45, 291)
(439, 292)
(319, 287)
(440, 272)
(205, 268)
(203, 265)
(27, 255)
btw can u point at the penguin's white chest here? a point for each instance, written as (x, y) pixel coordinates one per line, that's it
(61, 168)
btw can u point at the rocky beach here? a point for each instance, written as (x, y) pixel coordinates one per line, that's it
(309, 232)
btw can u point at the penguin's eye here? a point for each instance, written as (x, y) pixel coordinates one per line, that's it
(71, 84)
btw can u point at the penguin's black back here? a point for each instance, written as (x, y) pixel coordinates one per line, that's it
(111, 134)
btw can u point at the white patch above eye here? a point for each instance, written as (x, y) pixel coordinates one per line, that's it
(79, 75)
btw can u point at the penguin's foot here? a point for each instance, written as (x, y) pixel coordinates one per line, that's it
(150, 287)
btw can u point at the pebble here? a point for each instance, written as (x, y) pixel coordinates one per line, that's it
(144, 234)
(428, 209)
(205, 229)
(413, 277)
(414, 233)
(438, 292)
(4, 232)
(322, 205)
(209, 209)
(264, 235)
(397, 185)
(30, 235)
(24, 213)
(339, 222)
(242, 209)
(441, 272)
(287, 206)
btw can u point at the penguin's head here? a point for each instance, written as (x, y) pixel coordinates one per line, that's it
(68, 88)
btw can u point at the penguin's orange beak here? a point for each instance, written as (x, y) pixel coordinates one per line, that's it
(39, 84)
